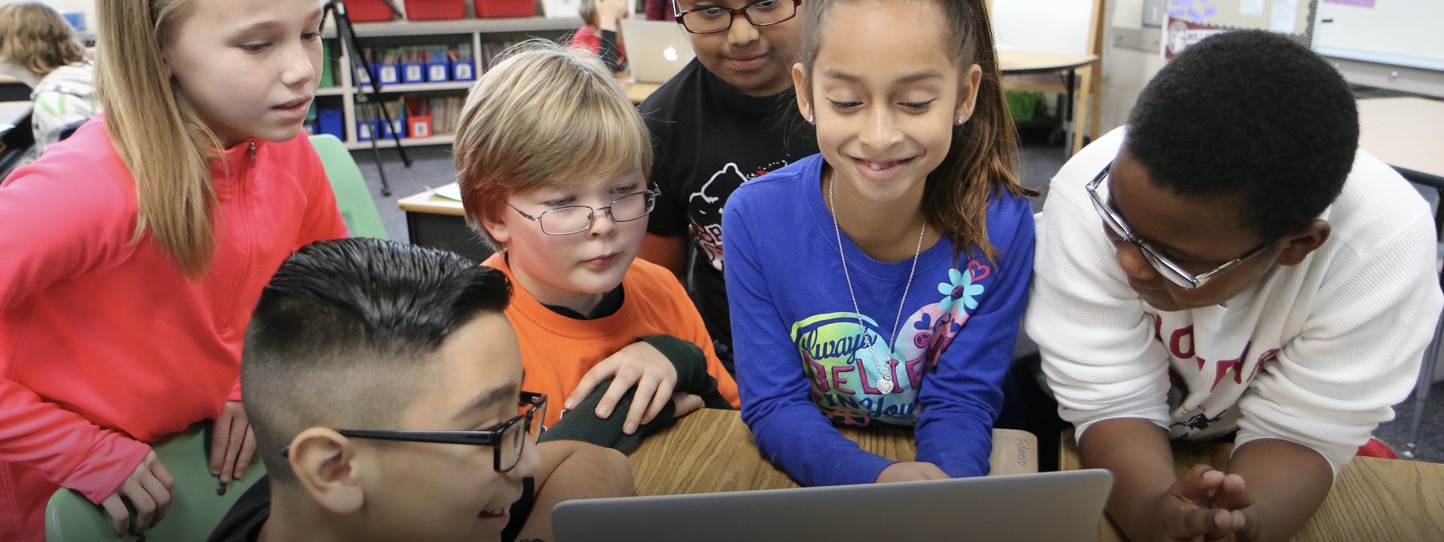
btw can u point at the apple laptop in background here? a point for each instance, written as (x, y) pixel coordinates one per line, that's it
(656, 50)
(1052, 506)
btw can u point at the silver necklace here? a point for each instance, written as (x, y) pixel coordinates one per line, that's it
(884, 382)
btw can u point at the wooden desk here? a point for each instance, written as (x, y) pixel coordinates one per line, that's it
(712, 450)
(437, 222)
(1373, 499)
(637, 92)
(1407, 133)
(1012, 62)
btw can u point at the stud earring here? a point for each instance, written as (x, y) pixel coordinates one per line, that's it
(809, 119)
(961, 120)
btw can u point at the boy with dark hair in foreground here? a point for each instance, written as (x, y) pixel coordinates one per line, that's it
(1230, 265)
(384, 387)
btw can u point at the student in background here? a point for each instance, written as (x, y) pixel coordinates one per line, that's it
(134, 252)
(357, 342)
(1226, 268)
(727, 117)
(38, 47)
(882, 282)
(551, 158)
(602, 32)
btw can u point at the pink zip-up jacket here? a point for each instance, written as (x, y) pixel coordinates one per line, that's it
(104, 344)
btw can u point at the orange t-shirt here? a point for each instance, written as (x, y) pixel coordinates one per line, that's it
(557, 350)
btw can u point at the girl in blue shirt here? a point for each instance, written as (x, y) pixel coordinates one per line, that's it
(882, 281)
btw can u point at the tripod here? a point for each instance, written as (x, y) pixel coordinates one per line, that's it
(372, 97)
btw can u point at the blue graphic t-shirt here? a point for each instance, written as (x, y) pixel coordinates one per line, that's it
(800, 349)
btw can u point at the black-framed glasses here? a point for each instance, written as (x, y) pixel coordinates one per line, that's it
(712, 19)
(1170, 269)
(507, 438)
(570, 219)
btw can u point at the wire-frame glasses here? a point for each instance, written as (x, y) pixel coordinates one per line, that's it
(570, 219)
(1171, 270)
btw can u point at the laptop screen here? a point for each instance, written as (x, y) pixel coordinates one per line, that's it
(656, 49)
(1050, 506)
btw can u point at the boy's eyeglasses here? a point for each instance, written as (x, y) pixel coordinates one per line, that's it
(507, 438)
(712, 19)
(1170, 270)
(571, 219)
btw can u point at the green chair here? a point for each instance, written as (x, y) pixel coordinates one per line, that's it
(352, 196)
(195, 508)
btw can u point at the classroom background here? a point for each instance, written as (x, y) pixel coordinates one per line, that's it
(1383, 48)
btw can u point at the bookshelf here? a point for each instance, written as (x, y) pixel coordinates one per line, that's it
(475, 33)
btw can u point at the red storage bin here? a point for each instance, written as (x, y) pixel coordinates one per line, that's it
(487, 9)
(425, 10)
(367, 11)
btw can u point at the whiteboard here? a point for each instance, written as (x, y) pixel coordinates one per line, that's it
(1396, 32)
(1053, 26)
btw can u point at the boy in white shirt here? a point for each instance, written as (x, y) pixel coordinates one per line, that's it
(1230, 264)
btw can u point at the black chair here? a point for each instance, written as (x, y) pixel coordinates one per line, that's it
(15, 142)
(69, 130)
(1430, 363)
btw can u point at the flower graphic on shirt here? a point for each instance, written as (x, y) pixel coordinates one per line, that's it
(960, 293)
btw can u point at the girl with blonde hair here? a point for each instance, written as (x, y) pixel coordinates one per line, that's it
(135, 252)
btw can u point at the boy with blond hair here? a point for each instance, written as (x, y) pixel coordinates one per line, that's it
(551, 158)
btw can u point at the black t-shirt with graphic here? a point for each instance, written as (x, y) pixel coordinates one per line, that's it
(709, 138)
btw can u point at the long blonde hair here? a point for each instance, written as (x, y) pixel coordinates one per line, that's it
(34, 36)
(160, 137)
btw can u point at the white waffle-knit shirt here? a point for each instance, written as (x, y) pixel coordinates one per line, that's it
(1315, 354)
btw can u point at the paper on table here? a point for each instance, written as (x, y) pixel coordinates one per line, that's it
(451, 191)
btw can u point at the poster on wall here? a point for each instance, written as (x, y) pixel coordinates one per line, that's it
(1178, 34)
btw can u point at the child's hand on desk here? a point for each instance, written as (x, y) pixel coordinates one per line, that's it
(233, 443)
(908, 471)
(147, 489)
(638, 364)
(1233, 495)
(1192, 509)
(684, 403)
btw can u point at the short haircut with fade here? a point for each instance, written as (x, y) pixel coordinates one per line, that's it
(543, 117)
(344, 336)
(1254, 115)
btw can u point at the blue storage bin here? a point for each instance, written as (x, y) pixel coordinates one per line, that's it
(388, 74)
(330, 121)
(413, 72)
(463, 70)
(397, 124)
(363, 77)
(365, 129)
(437, 72)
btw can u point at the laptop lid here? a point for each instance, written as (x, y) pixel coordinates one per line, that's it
(1053, 506)
(656, 50)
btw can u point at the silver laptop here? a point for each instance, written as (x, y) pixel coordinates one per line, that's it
(656, 50)
(1048, 506)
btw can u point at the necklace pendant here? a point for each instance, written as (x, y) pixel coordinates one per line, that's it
(884, 385)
